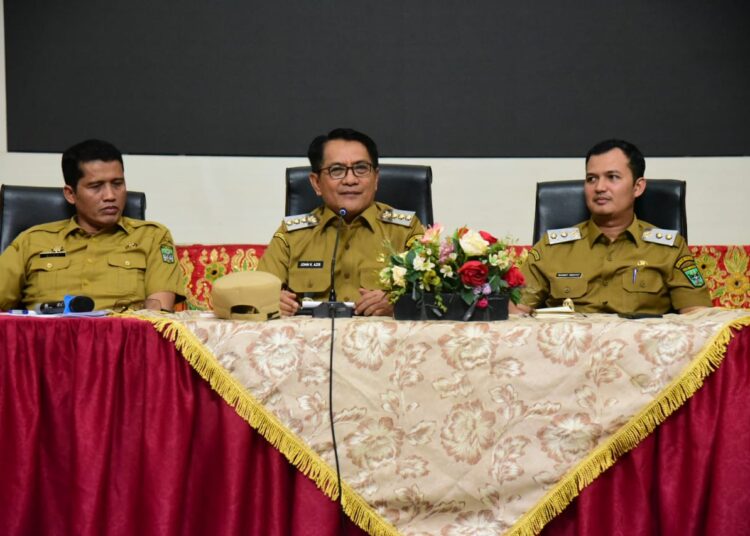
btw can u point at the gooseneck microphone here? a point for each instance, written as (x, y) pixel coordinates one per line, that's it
(333, 307)
(340, 223)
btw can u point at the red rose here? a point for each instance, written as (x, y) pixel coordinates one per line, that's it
(488, 237)
(514, 277)
(482, 303)
(473, 273)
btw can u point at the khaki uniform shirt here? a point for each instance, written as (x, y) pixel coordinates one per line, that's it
(628, 275)
(124, 264)
(300, 254)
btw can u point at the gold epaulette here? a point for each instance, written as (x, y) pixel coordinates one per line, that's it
(665, 237)
(560, 236)
(399, 217)
(300, 221)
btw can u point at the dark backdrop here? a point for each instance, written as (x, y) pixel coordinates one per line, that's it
(423, 77)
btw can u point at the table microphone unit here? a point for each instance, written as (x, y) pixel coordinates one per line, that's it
(334, 308)
(69, 304)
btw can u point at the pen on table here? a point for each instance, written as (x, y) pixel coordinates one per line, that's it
(18, 312)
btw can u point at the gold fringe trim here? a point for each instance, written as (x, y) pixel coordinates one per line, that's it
(295, 450)
(626, 438)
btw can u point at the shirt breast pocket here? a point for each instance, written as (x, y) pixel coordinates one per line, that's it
(313, 280)
(567, 287)
(49, 273)
(649, 281)
(128, 272)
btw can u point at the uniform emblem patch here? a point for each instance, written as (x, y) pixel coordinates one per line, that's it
(167, 253)
(687, 266)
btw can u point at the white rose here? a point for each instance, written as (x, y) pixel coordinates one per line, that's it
(399, 274)
(473, 244)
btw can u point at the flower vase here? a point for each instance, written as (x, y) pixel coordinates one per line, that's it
(425, 308)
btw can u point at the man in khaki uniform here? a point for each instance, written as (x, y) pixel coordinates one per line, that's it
(345, 176)
(97, 253)
(614, 263)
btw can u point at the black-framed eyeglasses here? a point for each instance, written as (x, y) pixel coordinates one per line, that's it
(339, 171)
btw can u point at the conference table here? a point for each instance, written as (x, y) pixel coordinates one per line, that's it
(186, 424)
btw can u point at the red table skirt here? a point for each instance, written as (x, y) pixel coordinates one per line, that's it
(106, 429)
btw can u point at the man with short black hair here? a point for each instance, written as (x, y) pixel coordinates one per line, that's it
(614, 263)
(97, 253)
(345, 175)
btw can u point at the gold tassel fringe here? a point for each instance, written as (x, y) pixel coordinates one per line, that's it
(627, 437)
(296, 451)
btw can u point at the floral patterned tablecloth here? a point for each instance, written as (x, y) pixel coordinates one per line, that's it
(447, 428)
(725, 269)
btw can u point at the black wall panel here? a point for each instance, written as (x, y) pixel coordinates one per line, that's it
(435, 78)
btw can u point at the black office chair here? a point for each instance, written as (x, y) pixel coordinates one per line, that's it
(22, 207)
(401, 186)
(562, 204)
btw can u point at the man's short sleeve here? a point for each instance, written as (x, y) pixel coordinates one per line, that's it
(12, 275)
(163, 272)
(536, 290)
(687, 288)
(275, 259)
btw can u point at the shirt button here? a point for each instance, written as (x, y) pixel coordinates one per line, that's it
(127, 263)
(49, 265)
(643, 284)
(566, 290)
(605, 283)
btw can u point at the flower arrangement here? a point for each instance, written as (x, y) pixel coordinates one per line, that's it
(473, 264)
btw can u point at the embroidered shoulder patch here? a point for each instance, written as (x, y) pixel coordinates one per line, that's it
(167, 253)
(686, 264)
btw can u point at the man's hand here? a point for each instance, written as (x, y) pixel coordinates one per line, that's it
(288, 303)
(373, 303)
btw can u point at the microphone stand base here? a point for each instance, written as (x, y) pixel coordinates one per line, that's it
(333, 310)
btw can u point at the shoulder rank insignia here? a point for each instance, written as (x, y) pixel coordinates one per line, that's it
(300, 221)
(665, 237)
(399, 217)
(560, 236)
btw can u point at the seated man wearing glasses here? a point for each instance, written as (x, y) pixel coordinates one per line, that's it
(345, 175)
(97, 253)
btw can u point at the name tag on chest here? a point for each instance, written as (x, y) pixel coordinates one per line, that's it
(569, 275)
(310, 264)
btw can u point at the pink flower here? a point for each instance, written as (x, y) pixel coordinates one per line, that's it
(432, 234)
(482, 303)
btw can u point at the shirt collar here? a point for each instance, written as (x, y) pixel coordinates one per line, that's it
(369, 216)
(594, 234)
(72, 226)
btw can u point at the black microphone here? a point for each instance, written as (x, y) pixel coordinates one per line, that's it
(339, 224)
(69, 304)
(332, 307)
